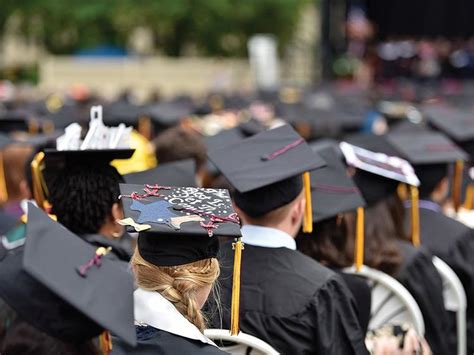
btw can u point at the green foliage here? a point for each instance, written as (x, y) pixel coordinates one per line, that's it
(211, 27)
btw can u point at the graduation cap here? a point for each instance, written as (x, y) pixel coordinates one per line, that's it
(180, 225)
(431, 153)
(64, 286)
(379, 175)
(179, 173)
(457, 124)
(15, 120)
(167, 114)
(332, 189)
(266, 170)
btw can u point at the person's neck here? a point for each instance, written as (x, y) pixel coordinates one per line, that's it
(280, 227)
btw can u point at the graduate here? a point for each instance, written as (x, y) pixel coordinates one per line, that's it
(175, 264)
(76, 183)
(330, 243)
(388, 247)
(287, 299)
(56, 292)
(431, 154)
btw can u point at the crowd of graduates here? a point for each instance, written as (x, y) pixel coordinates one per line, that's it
(136, 228)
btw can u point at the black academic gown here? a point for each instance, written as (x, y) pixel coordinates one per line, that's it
(420, 277)
(361, 292)
(120, 248)
(158, 342)
(291, 302)
(453, 242)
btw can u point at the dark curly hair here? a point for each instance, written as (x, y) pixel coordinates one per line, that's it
(82, 195)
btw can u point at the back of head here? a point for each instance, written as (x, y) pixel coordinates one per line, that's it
(430, 176)
(178, 284)
(179, 143)
(82, 195)
(328, 243)
(381, 250)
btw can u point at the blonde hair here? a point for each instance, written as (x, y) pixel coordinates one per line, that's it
(178, 284)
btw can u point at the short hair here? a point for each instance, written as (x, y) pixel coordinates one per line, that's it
(82, 196)
(180, 143)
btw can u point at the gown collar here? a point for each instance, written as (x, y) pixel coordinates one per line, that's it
(267, 237)
(154, 310)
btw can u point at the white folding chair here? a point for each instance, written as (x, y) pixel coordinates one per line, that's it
(243, 343)
(391, 301)
(454, 300)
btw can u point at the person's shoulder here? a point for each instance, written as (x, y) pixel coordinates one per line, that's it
(441, 222)
(155, 341)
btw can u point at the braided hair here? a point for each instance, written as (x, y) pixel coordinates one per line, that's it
(82, 196)
(178, 284)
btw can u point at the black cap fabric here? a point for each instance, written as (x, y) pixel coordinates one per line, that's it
(178, 225)
(49, 292)
(264, 159)
(333, 191)
(372, 142)
(179, 173)
(89, 155)
(457, 124)
(168, 114)
(426, 148)
(123, 112)
(15, 120)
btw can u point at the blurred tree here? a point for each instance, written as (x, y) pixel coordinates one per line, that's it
(209, 27)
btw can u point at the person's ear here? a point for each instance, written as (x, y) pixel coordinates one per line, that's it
(116, 212)
(442, 190)
(297, 211)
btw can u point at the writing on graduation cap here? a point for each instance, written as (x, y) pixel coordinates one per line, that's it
(158, 206)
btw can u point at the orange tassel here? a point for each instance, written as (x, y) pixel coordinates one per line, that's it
(39, 185)
(308, 213)
(3, 182)
(457, 184)
(359, 245)
(469, 199)
(235, 303)
(105, 342)
(415, 216)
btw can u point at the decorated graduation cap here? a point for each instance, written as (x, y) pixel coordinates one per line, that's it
(101, 145)
(266, 171)
(65, 287)
(178, 173)
(180, 225)
(379, 175)
(430, 153)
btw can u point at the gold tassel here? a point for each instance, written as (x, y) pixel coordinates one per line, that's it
(359, 247)
(308, 213)
(457, 184)
(105, 342)
(402, 191)
(3, 182)
(33, 126)
(39, 186)
(234, 318)
(144, 127)
(469, 199)
(48, 127)
(415, 216)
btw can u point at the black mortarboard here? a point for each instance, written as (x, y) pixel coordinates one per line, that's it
(266, 169)
(424, 148)
(69, 113)
(430, 153)
(168, 114)
(457, 124)
(122, 112)
(333, 191)
(16, 120)
(378, 175)
(179, 173)
(175, 222)
(89, 155)
(42, 283)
